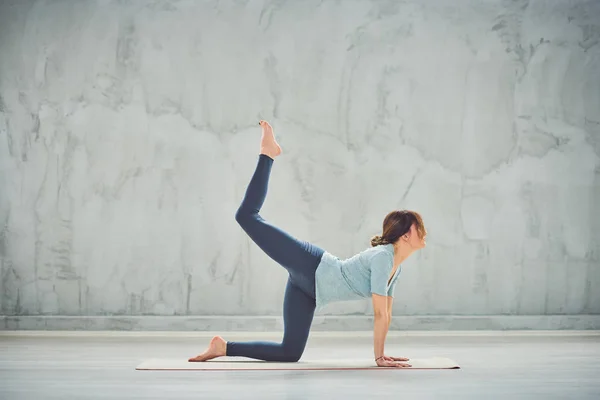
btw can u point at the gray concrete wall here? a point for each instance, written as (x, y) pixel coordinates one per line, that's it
(128, 132)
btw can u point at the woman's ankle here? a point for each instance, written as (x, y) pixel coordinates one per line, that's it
(267, 154)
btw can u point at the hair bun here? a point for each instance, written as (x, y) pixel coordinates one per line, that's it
(378, 240)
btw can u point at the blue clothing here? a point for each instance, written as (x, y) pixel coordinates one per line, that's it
(357, 277)
(298, 257)
(315, 276)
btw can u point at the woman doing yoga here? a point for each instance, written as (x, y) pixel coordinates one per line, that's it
(317, 277)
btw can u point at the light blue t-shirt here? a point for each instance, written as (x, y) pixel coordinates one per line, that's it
(357, 277)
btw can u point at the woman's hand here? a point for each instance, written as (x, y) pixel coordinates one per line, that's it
(386, 361)
(395, 358)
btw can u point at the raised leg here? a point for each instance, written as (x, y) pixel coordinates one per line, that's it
(300, 258)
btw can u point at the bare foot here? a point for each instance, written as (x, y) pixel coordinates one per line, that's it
(216, 348)
(268, 144)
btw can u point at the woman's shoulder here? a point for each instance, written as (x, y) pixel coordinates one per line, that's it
(379, 254)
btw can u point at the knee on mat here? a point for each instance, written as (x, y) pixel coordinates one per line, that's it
(291, 355)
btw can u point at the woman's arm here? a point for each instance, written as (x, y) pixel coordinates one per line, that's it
(381, 324)
(381, 268)
(382, 311)
(390, 302)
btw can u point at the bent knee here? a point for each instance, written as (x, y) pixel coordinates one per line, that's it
(291, 354)
(241, 216)
(291, 357)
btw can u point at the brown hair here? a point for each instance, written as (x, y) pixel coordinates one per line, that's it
(396, 224)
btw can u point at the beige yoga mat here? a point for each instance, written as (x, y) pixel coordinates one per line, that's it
(158, 364)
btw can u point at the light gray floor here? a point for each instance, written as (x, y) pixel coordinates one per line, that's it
(560, 366)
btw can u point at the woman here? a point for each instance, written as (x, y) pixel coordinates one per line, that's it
(316, 277)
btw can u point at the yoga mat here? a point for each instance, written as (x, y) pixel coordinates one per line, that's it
(158, 364)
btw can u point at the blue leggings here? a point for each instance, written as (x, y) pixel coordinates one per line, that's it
(298, 257)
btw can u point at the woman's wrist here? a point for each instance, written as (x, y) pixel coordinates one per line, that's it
(379, 358)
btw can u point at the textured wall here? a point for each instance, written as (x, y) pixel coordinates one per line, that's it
(128, 132)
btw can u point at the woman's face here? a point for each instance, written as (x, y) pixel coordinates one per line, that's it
(413, 238)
